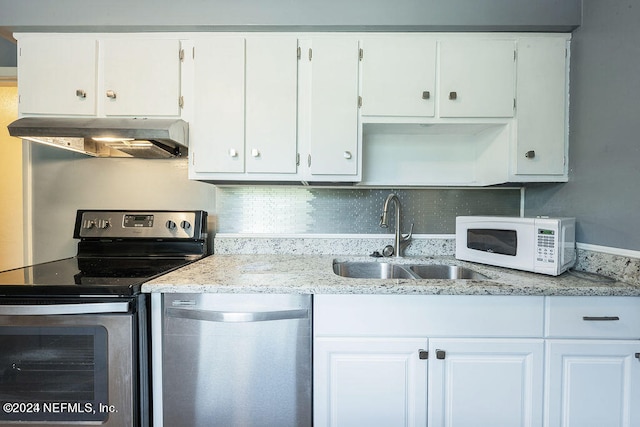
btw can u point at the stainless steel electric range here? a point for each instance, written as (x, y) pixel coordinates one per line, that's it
(74, 332)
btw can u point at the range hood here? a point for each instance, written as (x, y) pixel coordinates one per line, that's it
(107, 137)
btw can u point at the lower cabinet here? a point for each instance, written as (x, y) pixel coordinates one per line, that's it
(475, 361)
(370, 382)
(593, 383)
(485, 382)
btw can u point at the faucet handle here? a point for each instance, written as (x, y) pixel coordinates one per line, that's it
(408, 236)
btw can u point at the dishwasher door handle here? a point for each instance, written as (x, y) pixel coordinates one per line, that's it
(236, 316)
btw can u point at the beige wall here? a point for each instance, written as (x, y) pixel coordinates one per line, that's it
(11, 207)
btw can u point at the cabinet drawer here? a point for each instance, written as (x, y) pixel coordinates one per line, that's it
(428, 315)
(593, 317)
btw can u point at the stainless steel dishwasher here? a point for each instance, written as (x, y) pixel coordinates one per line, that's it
(231, 360)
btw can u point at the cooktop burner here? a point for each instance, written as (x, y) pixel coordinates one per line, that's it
(118, 251)
(85, 276)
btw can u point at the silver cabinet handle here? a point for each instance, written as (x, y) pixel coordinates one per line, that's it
(600, 318)
(111, 94)
(347, 155)
(235, 316)
(530, 154)
(440, 354)
(637, 356)
(453, 96)
(426, 94)
(255, 152)
(80, 93)
(63, 309)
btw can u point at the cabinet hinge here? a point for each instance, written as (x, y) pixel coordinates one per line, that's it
(359, 101)
(299, 52)
(181, 55)
(310, 54)
(181, 101)
(193, 52)
(514, 104)
(515, 55)
(309, 160)
(360, 54)
(297, 159)
(423, 354)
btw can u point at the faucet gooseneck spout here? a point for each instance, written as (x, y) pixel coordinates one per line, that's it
(400, 241)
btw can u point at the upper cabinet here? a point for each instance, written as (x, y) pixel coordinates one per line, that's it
(398, 76)
(477, 78)
(245, 111)
(372, 109)
(93, 76)
(57, 75)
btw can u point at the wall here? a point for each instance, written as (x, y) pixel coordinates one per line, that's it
(64, 182)
(11, 212)
(8, 55)
(603, 192)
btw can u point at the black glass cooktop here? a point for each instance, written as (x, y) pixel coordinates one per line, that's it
(86, 276)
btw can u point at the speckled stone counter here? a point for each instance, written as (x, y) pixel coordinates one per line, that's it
(313, 274)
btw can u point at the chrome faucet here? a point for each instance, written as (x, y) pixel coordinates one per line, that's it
(400, 241)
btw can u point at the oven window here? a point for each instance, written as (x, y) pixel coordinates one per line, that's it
(503, 242)
(53, 373)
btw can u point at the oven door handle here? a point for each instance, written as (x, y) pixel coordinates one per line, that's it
(63, 309)
(235, 316)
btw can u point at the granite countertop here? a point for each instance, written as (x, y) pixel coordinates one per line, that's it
(313, 274)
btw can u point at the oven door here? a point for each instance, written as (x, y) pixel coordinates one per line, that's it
(67, 364)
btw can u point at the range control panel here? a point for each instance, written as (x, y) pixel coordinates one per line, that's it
(140, 224)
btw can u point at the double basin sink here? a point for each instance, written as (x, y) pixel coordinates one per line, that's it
(387, 270)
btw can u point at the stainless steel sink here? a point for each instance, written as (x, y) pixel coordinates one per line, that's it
(385, 270)
(439, 271)
(371, 270)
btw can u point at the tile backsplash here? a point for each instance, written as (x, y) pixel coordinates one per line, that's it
(303, 210)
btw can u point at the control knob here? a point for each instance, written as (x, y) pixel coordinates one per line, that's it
(185, 225)
(171, 225)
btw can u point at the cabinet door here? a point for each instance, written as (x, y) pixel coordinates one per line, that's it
(333, 124)
(57, 76)
(271, 104)
(477, 78)
(592, 383)
(398, 76)
(141, 77)
(217, 132)
(485, 382)
(542, 106)
(369, 382)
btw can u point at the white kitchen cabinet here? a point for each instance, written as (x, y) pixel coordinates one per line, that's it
(330, 123)
(141, 77)
(477, 78)
(57, 75)
(399, 76)
(485, 382)
(93, 76)
(592, 362)
(271, 104)
(245, 108)
(370, 381)
(483, 357)
(593, 383)
(217, 131)
(541, 149)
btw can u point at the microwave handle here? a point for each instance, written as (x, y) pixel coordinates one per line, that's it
(236, 317)
(64, 309)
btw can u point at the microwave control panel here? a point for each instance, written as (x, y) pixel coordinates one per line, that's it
(546, 246)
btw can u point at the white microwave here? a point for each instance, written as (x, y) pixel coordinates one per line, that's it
(541, 245)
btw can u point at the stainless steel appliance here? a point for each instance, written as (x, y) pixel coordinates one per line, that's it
(231, 360)
(541, 245)
(74, 332)
(107, 137)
